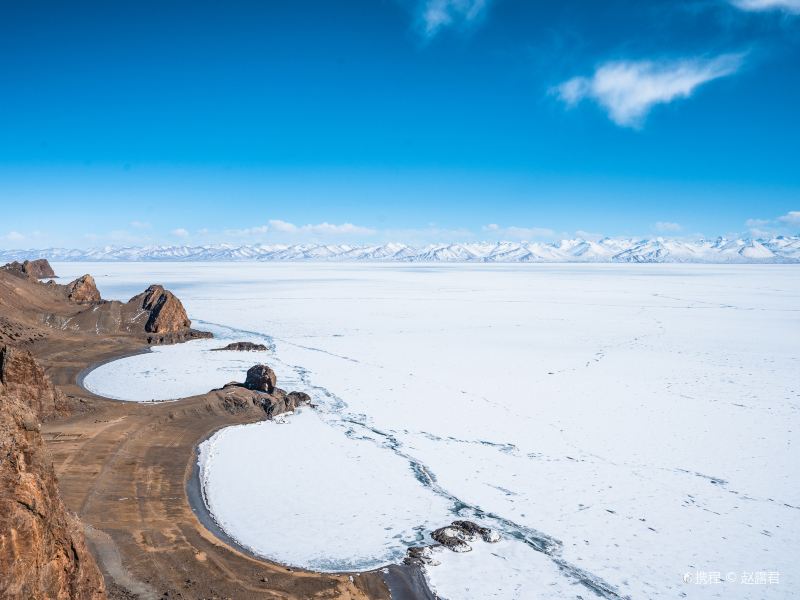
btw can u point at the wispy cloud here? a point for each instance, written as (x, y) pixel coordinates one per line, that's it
(783, 224)
(792, 6)
(320, 228)
(628, 90)
(140, 224)
(668, 226)
(790, 218)
(180, 232)
(246, 232)
(14, 236)
(436, 15)
(518, 233)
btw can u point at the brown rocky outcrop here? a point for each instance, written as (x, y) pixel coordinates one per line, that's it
(18, 369)
(83, 290)
(43, 552)
(262, 378)
(259, 390)
(39, 268)
(278, 402)
(167, 314)
(32, 269)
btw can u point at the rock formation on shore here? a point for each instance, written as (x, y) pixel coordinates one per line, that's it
(261, 377)
(242, 347)
(31, 269)
(167, 314)
(30, 310)
(43, 552)
(260, 389)
(83, 290)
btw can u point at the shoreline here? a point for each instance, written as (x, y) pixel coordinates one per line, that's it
(404, 582)
(83, 373)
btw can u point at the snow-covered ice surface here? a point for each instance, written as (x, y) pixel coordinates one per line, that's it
(626, 428)
(317, 494)
(172, 372)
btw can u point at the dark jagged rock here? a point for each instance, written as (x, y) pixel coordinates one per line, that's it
(243, 347)
(279, 402)
(453, 538)
(298, 399)
(83, 290)
(487, 535)
(262, 378)
(43, 552)
(420, 556)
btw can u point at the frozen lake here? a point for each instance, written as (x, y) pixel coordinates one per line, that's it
(637, 423)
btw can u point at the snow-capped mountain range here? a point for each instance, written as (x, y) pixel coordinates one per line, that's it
(781, 249)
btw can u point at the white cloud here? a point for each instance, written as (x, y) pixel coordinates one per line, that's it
(627, 90)
(790, 218)
(14, 236)
(283, 226)
(785, 224)
(320, 228)
(792, 6)
(668, 226)
(246, 232)
(438, 14)
(140, 225)
(180, 232)
(589, 235)
(519, 233)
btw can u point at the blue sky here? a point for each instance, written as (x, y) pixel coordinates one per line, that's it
(412, 120)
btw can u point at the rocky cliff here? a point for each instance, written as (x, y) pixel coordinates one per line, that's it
(83, 290)
(167, 314)
(43, 553)
(32, 269)
(31, 310)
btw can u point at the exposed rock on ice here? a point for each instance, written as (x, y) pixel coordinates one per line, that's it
(456, 535)
(243, 347)
(487, 534)
(453, 538)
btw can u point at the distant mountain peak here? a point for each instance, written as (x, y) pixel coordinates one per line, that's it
(779, 249)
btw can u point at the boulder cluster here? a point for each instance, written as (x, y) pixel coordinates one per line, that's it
(456, 537)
